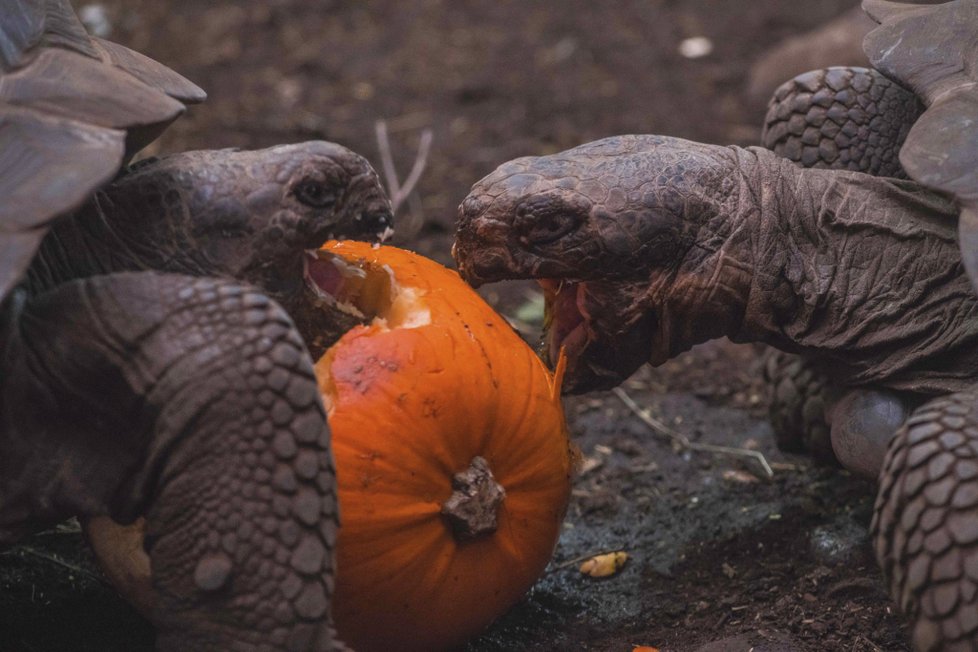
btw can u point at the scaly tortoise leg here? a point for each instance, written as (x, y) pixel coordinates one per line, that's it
(798, 395)
(833, 425)
(192, 401)
(925, 528)
(841, 118)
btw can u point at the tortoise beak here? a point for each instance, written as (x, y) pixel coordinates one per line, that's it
(465, 270)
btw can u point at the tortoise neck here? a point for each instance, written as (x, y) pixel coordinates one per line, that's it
(710, 291)
(856, 270)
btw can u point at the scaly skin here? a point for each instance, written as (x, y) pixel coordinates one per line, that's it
(148, 368)
(675, 243)
(191, 401)
(842, 119)
(925, 530)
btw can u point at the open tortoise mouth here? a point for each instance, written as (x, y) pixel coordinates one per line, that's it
(566, 320)
(604, 340)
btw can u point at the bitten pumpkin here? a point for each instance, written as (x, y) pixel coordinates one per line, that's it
(452, 457)
(453, 463)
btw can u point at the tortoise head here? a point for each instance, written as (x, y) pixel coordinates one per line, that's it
(603, 228)
(250, 215)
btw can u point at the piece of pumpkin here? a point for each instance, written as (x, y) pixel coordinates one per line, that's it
(453, 463)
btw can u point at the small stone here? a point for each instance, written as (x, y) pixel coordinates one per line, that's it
(695, 47)
(840, 542)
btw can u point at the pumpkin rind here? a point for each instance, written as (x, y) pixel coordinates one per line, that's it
(410, 408)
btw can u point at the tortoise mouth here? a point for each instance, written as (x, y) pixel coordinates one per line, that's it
(602, 348)
(565, 319)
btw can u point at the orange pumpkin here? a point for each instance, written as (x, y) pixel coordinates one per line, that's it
(453, 463)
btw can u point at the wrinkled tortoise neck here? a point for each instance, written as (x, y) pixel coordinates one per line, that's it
(711, 288)
(816, 261)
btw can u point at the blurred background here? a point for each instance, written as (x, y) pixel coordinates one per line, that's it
(719, 556)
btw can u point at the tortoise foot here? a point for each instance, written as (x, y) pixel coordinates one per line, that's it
(925, 528)
(797, 399)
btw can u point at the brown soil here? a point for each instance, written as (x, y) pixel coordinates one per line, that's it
(715, 552)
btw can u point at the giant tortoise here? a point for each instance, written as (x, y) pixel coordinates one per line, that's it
(647, 245)
(155, 331)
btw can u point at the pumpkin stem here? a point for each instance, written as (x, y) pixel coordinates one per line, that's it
(473, 507)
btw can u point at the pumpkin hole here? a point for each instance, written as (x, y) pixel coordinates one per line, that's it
(365, 289)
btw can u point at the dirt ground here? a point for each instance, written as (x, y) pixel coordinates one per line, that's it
(717, 554)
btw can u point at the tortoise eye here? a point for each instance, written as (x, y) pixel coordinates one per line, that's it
(314, 193)
(543, 222)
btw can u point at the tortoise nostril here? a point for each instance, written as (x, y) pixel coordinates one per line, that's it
(376, 221)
